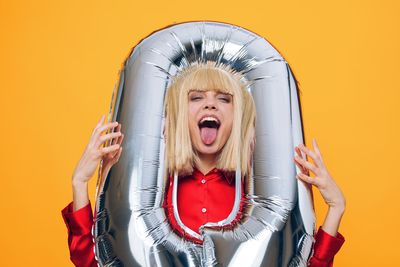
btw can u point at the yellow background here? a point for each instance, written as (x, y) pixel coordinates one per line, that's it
(60, 61)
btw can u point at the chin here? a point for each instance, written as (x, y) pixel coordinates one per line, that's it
(208, 149)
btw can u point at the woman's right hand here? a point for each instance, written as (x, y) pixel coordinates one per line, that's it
(94, 152)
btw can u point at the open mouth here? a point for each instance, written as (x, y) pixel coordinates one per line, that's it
(209, 129)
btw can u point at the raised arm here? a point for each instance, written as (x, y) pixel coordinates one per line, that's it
(78, 215)
(328, 239)
(94, 152)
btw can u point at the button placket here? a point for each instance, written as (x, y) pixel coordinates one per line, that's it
(204, 190)
(204, 210)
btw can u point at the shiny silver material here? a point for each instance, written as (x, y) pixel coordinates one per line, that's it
(225, 222)
(131, 226)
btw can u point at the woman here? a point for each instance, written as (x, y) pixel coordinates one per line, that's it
(210, 120)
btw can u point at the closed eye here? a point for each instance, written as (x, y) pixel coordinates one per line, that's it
(194, 98)
(195, 95)
(225, 98)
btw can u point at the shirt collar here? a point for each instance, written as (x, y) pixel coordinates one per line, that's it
(229, 176)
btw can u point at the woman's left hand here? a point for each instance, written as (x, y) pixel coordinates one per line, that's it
(329, 190)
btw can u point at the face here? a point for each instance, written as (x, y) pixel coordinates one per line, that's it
(210, 120)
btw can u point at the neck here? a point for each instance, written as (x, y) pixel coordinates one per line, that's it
(206, 163)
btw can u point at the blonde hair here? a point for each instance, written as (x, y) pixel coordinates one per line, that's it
(180, 155)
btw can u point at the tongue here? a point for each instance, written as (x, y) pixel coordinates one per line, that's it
(208, 135)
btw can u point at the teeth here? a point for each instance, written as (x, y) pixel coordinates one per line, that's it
(208, 119)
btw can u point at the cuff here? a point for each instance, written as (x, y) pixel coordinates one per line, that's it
(326, 245)
(78, 222)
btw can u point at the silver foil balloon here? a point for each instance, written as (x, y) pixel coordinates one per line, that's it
(278, 223)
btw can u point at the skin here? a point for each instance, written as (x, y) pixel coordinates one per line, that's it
(91, 157)
(324, 182)
(209, 103)
(200, 104)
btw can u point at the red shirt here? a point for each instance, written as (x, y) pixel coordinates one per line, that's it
(201, 199)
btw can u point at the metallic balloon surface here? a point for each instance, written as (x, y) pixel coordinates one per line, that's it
(131, 227)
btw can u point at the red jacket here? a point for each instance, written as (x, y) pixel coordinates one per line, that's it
(196, 197)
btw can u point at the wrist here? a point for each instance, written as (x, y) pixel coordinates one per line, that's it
(78, 184)
(337, 208)
(332, 220)
(80, 194)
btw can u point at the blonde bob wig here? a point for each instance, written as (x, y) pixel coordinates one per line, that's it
(180, 156)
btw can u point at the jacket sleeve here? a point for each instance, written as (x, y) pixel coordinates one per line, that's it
(325, 248)
(80, 240)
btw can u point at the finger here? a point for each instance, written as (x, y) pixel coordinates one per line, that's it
(307, 151)
(107, 137)
(306, 164)
(300, 156)
(316, 147)
(113, 154)
(311, 154)
(108, 149)
(99, 123)
(118, 129)
(107, 126)
(302, 169)
(299, 153)
(101, 120)
(119, 142)
(307, 179)
(118, 155)
(120, 139)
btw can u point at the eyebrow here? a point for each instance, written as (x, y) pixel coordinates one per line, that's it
(202, 91)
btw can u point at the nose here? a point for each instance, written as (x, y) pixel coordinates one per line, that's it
(210, 103)
(210, 106)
